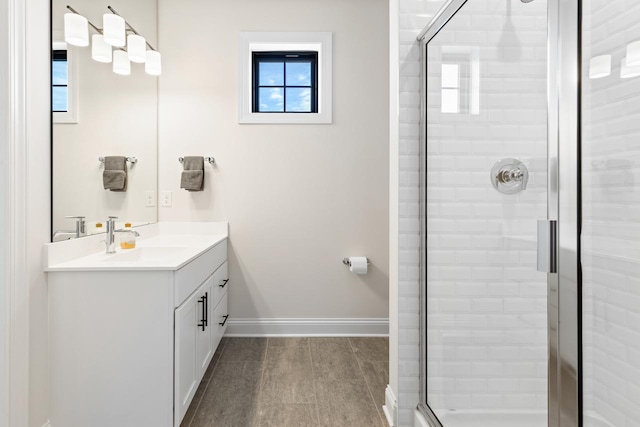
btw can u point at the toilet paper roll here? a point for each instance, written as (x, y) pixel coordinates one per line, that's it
(358, 264)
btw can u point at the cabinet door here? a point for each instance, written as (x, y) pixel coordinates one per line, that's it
(186, 370)
(204, 335)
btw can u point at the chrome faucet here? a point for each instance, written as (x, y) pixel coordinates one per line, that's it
(111, 234)
(81, 229)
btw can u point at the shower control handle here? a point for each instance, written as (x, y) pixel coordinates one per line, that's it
(509, 176)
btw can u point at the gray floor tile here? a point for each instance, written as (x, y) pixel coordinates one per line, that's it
(287, 376)
(372, 349)
(244, 350)
(334, 359)
(346, 403)
(193, 407)
(288, 415)
(231, 398)
(289, 341)
(377, 376)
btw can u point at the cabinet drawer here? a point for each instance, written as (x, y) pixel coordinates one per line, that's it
(220, 319)
(220, 284)
(189, 277)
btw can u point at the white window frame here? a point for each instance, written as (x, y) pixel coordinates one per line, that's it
(284, 42)
(71, 115)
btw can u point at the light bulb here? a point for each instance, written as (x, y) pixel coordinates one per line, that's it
(76, 29)
(100, 51)
(136, 48)
(121, 64)
(600, 66)
(153, 66)
(113, 27)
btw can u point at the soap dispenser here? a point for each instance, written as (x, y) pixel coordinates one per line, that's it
(128, 238)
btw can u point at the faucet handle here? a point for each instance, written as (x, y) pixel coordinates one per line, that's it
(113, 217)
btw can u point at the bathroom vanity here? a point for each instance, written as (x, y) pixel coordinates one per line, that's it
(132, 333)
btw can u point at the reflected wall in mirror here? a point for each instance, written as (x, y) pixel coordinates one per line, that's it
(98, 113)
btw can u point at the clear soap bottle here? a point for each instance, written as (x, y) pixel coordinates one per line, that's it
(128, 239)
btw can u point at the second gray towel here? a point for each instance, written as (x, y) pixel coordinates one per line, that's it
(114, 177)
(192, 178)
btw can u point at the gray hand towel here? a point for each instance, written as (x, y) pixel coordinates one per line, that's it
(114, 177)
(192, 178)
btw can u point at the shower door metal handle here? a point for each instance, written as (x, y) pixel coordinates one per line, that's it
(547, 246)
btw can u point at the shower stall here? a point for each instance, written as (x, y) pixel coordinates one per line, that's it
(531, 208)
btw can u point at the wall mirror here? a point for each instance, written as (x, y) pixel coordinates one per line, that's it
(99, 113)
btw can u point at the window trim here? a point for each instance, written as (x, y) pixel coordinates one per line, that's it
(300, 56)
(71, 115)
(284, 42)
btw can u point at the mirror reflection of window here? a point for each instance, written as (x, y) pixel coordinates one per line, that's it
(59, 82)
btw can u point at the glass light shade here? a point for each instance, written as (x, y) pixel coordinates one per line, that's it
(600, 66)
(113, 28)
(633, 54)
(76, 29)
(100, 50)
(627, 71)
(136, 48)
(121, 63)
(153, 66)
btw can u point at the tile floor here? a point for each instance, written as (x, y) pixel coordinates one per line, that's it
(293, 382)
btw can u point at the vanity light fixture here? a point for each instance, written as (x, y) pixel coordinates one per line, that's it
(76, 29)
(100, 50)
(628, 71)
(633, 54)
(600, 66)
(117, 32)
(153, 65)
(121, 63)
(136, 48)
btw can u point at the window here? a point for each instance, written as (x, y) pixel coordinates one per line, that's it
(59, 82)
(284, 78)
(285, 82)
(64, 102)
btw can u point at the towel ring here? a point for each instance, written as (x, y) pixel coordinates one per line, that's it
(132, 160)
(211, 160)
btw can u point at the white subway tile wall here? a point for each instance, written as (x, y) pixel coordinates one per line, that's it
(486, 303)
(611, 219)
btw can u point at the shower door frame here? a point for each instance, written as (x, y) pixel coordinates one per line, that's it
(564, 306)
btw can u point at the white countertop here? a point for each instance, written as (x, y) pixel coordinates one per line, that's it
(158, 248)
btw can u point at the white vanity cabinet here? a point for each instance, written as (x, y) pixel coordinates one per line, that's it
(198, 331)
(129, 345)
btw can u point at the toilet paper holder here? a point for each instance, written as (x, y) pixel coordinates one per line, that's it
(346, 261)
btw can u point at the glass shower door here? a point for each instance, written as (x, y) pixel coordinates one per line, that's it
(486, 188)
(611, 213)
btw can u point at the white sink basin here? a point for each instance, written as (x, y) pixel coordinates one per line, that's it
(154, 254)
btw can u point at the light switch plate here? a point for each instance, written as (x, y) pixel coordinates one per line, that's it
(165, 199)
(149, 199)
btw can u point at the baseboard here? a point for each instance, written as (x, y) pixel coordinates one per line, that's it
(308, 327)
(390, 407)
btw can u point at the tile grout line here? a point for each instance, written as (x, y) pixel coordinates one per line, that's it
(313, 380)
(366, 382)
(264, 366)
(195, 410)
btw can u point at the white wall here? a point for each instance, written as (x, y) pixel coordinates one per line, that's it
(298, 198)
(117, 116)
(611, 227)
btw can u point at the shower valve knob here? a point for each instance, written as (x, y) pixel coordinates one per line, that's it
(509, 176)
